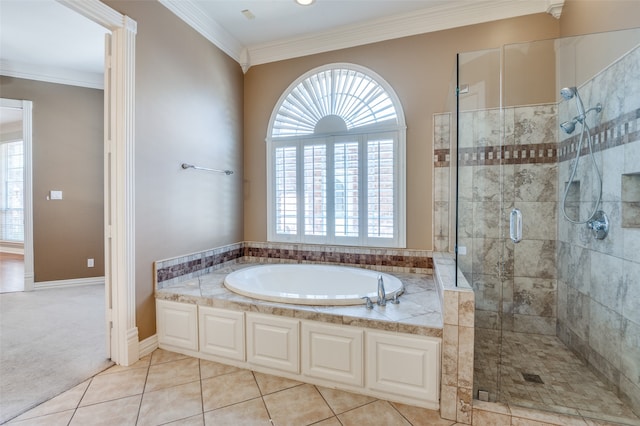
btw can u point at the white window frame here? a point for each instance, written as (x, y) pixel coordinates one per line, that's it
(395, 130)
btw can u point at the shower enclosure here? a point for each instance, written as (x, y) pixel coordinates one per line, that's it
(548, 138)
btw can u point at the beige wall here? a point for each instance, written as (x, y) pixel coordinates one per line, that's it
(419, 68)
(67, 156)
(188, 109)
(592, 16)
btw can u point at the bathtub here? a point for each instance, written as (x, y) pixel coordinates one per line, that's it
(311, 284)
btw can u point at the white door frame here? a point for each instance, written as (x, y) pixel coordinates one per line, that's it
(27, 184)
(119, 176)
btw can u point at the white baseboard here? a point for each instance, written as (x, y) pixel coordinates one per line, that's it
(148, 345)
(10, 248)
(68, 283)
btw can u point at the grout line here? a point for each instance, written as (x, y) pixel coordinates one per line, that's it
(201, 390)
(143, 388)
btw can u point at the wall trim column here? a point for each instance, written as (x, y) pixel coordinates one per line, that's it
(119, 177)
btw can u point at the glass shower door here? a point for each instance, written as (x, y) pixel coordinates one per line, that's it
(481, 181)
(556, 305)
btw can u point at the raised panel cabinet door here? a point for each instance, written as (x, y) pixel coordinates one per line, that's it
(222, 332)
(333, 353)
(404, 365)
(177, 324)
(273, 342)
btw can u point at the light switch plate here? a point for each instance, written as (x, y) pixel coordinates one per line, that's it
(55, 195)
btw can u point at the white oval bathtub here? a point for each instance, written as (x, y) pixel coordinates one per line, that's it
(310, 284)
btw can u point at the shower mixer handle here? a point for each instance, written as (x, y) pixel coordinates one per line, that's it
(599, 225)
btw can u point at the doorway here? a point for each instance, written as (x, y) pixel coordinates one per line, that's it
(16, 204)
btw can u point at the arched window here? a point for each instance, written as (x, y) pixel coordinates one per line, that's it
(336, 160)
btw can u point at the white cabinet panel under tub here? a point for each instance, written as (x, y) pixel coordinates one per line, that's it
(177, 324)
(222, 332)
(273, 342)
(333, 353)
(404, 365)
(396, 366)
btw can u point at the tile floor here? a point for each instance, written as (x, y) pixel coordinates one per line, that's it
(169, 388)
(569, 387)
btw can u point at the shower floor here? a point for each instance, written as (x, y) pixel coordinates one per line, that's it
(568, 387)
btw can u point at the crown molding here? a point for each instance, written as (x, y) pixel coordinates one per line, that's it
(193, 16)
(52, 74)
(446, 16)
(452, 14)
(554, 8)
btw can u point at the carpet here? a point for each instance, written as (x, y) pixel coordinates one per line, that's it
(50, 341)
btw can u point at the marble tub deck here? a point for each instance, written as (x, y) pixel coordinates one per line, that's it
(419, 311)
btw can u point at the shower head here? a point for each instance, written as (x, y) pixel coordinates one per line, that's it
(569, 126)
(570, 92)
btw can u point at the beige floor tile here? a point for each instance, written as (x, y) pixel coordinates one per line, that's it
(247, 413)
(56, 419)
(593, 422)
(376, 413)
(487, 418)
(190, 421)
(68, 400)
(115, 386)
(160, 355)
(418, 416)
(297, 406)
(332, 421)
(119, 412)
(210, 369)
(172, 373)
(270, 384)
(141, 363)
(229, 389)
(341, 401)
(170, 404)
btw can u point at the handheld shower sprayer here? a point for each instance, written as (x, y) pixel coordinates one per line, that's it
(569, 93)
(597, 220)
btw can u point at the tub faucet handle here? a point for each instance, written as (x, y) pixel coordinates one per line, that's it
(368, 302)
(382, 296)
(395, 299)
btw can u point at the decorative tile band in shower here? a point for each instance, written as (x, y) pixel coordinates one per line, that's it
(508, 154)
(170, 271)
(441, 157)
(497, 155)
(622, 130)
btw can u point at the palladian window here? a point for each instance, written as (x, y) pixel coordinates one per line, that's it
(336, 161)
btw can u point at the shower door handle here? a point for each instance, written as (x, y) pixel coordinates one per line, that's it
(515, 225)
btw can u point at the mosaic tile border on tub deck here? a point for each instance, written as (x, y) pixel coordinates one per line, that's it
(171, 271)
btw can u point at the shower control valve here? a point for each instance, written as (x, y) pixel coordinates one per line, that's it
(599, 224)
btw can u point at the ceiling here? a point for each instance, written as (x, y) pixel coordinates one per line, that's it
(44, 40)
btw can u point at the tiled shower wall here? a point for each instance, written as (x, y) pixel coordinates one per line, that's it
(514, 284)
(599, 280)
